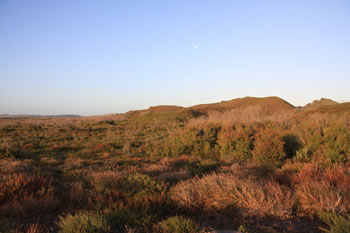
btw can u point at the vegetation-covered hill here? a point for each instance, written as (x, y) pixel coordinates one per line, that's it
(321, 102)
(249, 164)
(269, 104)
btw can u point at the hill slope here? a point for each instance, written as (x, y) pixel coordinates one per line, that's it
(269, 104)
(321, 102)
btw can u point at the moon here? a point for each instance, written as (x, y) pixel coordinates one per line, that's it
(195, 46)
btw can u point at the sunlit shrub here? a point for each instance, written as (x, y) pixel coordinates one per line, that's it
(228, 192)
(178, 224)
(311, 140)
(199, 141)
(234, 144)
(337, 144)
(268, 148)
(83, 222)
(113, 186)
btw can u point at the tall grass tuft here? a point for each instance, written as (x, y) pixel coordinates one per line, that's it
(178, 224)
(227, 192)
(336, 223)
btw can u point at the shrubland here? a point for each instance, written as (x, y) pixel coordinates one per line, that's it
(257, 165)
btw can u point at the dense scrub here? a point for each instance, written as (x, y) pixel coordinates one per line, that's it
(171, 169)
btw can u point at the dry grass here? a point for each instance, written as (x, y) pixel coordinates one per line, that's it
(36, 228)
(253, 114)
(222, 192)
(320, 190)
(23, 195)
(321, 196)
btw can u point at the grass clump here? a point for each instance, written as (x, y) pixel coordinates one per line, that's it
(83, 222)
(323, 189)
(25, 195)
(336, 223)
(178, 224)
(227, 192)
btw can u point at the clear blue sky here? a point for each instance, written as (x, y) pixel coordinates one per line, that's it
(97, 57)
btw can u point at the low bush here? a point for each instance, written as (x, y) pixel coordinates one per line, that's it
(268, 148)
(337, 144)
(83, 222)
(178, 224)
(119, 218)
(136, 216)
(234, 144)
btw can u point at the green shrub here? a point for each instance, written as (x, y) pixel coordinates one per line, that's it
(140, 216)
(337, 144)
(119, 218)
(83, 222)
(139, 185)
(234, 144)
(268, 148)
(336, 223)
(178, 224)
(115, 186)
(200, 141)
(331, 143)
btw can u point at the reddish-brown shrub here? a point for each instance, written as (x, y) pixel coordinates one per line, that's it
(268, 148)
